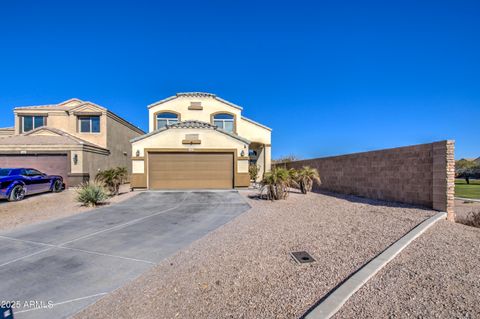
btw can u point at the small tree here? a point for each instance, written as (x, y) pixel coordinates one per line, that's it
(112, 178)
(305, 178)
(276, 183)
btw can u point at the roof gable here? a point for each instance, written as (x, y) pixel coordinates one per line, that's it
(71, 102)
(195, 94)
(45, 131)
(87, 107)
(50, 131)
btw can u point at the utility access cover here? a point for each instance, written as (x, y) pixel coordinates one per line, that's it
(302, 257)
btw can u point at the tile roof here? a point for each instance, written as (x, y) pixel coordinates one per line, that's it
(62, 138)
(62, 106)
(191, 125)
(196, 94)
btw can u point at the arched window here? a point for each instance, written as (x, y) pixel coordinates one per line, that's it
(166, 118)
(224, 121)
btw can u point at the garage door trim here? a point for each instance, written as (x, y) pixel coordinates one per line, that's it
(148, 151)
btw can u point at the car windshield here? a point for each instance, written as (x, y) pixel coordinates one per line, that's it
(4, 172)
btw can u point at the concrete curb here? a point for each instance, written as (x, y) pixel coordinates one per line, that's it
(468, 199)
(334, 301)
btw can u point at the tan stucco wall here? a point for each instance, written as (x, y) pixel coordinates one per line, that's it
(76, 168)
(115, 135)
(68, 123)
(6, 132)
(118, 142)
(181, 104)
(254, 132)
(172, 139)
(244, 128)
(93, 162)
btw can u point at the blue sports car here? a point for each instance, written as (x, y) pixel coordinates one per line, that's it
(16, 183)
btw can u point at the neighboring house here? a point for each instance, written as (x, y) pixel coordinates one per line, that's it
(74, 139)
(6, 131)
(198, 140)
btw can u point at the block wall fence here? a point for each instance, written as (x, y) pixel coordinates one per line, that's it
(420, 175)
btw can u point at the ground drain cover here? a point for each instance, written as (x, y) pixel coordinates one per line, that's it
(302, 257)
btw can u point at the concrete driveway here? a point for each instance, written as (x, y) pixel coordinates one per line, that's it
(54, 269)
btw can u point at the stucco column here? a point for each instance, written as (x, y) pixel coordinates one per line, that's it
(268, 158)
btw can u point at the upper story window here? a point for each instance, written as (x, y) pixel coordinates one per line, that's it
(89, 124)
(224, 121)
(166, 118)
(32, 122)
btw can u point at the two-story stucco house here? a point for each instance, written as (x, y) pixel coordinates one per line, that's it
(198, 140)
(74, 139)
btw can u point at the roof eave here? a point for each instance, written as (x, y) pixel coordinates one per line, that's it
(256, 123)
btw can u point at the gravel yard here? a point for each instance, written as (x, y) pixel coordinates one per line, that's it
(243, 269)
(41, 207)
(437, 276)
(463, 208)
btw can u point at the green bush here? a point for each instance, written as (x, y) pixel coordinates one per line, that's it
(277, 182)
(91, 194)
(305, 177)
(253, 171)
(112, 179)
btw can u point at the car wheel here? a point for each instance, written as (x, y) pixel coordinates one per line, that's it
(57, 186)
(18, 193)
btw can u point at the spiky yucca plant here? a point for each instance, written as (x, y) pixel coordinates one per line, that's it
(276, 183)
(91, 194)
(305, 177)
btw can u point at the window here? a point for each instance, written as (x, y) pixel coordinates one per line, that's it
(4, 172)
(166, 118)
(224, 121)
(32, 122)
(89, 124)
(31, 172)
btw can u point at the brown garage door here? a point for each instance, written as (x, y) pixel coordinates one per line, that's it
(52, 164)
(190, 171)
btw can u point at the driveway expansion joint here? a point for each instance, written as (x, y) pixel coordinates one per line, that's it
(333, 301)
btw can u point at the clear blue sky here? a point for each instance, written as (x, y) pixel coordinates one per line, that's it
(330, 77)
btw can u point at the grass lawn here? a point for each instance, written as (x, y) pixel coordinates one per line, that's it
(472, 190)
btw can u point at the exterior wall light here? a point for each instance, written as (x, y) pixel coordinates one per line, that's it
(242, 153)
(138, 153)
(75, 159)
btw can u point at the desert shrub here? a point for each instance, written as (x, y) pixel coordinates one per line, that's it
(472, 219)
(305, 177)
(253, 170)
(112, 179)
(91, 194)
(276, 183)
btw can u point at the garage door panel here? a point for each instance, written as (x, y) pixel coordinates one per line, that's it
(183, 171)
(54, 164)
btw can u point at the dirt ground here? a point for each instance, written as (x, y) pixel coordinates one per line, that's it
(463, 208)
(41, 207)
